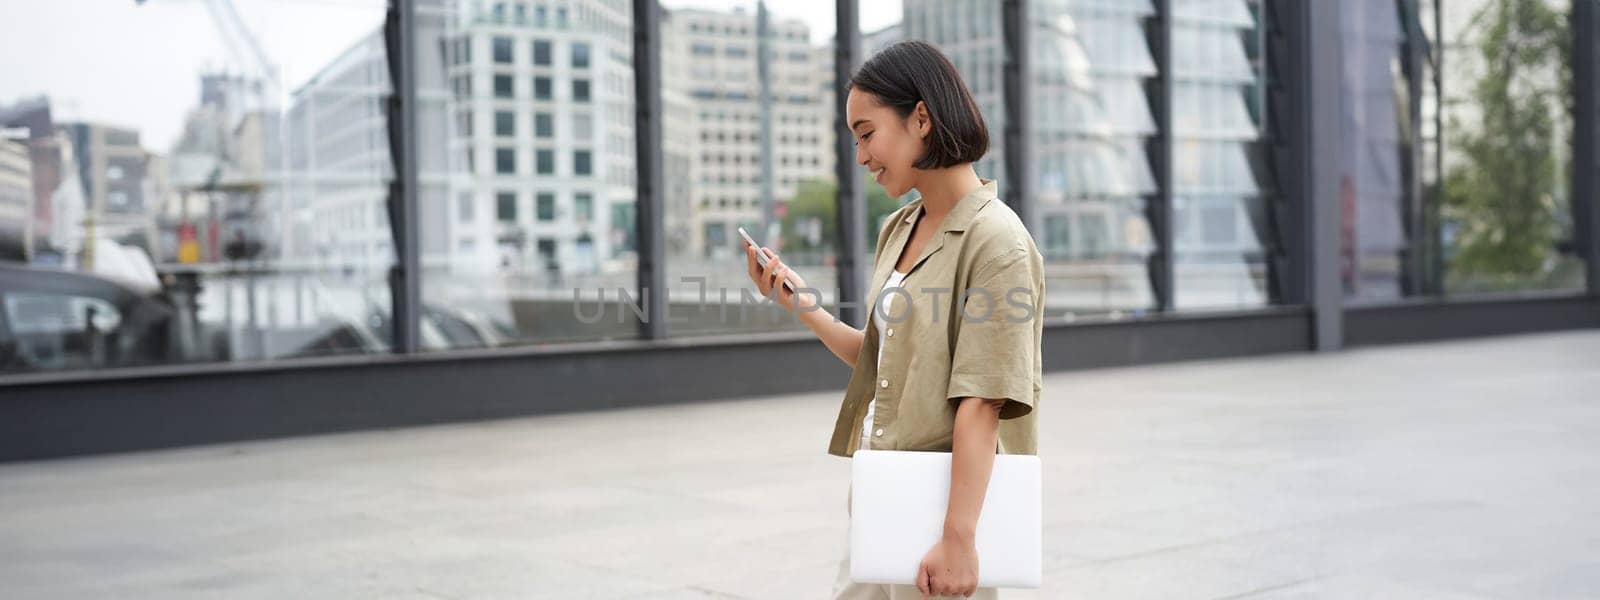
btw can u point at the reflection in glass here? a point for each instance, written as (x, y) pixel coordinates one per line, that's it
(1091, 60)
(560, 185)
(1218, 256)
(733, 159)
(230, 206)
(1505, 217)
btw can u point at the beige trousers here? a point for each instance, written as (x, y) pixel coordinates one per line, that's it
(844, 589)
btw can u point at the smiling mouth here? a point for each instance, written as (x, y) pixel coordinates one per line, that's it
(878, 175)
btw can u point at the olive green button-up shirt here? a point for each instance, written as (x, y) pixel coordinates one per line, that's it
(967, 322)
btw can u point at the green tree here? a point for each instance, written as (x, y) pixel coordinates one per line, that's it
(815, 202)
(1502, 197)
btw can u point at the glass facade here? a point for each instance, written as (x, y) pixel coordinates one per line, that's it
(735, 157)
(1504, 207)
(535, 273)
(203, 206)
(1489, 143)
(1217, 213)
(1091, 65)
(233, 205)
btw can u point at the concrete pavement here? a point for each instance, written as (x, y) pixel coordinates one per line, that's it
(1466, 470)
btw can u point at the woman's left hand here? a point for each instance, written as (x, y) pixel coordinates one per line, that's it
(949, 569)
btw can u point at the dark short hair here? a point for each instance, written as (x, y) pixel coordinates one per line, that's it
(912, 71)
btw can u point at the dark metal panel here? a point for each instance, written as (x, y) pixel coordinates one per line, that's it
(1434, 281)
(1455, 318)
(1414, 50)
(650, 201)
(1586, 137)
(155, 409)
(1017, 78)
(62, 419)
(1325, 193)
(405, 286)
(851, 204)
(1288, 102)
(1177, 337)
(1159, 207)
(43, 417)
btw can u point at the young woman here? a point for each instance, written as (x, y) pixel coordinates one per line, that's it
(950, 358)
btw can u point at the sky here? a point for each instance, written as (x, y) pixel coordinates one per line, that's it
(135, 65)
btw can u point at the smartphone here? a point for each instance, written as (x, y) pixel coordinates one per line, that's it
(761, 256)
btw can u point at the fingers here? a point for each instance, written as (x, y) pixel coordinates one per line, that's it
(751, 262)
(776, 271)
(780, 276)
(923, 584)
(766, 272)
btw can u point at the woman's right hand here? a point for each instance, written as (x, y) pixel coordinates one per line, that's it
(766, 278)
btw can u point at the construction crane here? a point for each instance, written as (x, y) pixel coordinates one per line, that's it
(246, 49)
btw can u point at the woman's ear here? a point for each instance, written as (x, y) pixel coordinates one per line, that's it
(921, 121)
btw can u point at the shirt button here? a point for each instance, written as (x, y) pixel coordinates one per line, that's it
(879, 432)
(889, 333)
(883, 383)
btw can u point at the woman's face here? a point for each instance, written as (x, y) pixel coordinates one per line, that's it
(885, 143)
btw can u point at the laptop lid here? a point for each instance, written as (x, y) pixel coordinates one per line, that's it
(897, 511)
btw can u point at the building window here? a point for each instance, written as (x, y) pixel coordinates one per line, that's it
(502, 50)
(580, 55)
(541, 53)
(505, 207)
(505, 161)
(546, 206)
(736, 51)
(582, 162)
(1096, 233)
(545, 161)
(703, 49)
(543, 125)
(502, 86)
(547, 253)
(580, 90)
(1217, 225)
(541, 88)
(505, 123)
(583, 206)
(465, 210)
(583, 126)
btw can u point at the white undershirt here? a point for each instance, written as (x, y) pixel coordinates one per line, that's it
(887, 300)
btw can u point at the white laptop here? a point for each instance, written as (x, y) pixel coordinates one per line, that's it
(897, 510)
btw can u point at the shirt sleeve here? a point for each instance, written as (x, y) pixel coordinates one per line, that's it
(995, 347)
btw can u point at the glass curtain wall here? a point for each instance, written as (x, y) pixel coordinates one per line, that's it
(748, 142)
(183, 183)
(527, 167)
(1218, 210)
